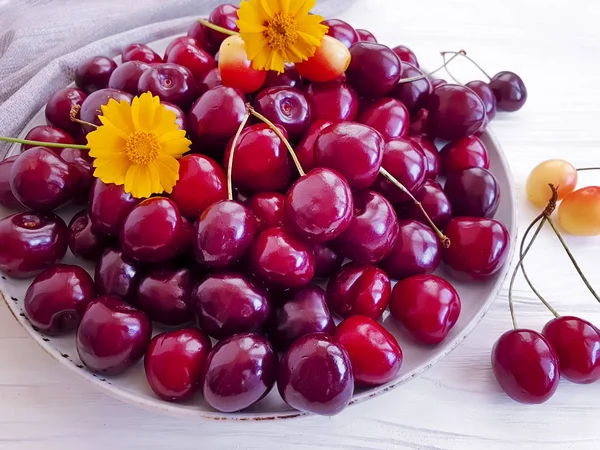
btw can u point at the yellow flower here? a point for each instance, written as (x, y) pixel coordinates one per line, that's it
(138, 146)
(279, 31)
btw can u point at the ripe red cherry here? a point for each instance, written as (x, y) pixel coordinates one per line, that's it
(279, 258)
(372, 232)
(42, 180)
(285, 106)
(330, 61)
(185, 40)
(175, 361)
(454, 112)
(180, 116)
(342, 31)
(171, 82)
(427, 306)
(30, 243)
(510, 91)
(417, 251)
(406, 55)
(268, 209)
(7, 198)
(327, 261)
(57, 298)
(223, 234)
(199, 33)
(202, 182)
(91, 107)
(353, 149)
(473, 192)
(577, 344)
(239, 372)
(418, 124)
(84, 242)
(140, 52)
(526, 366)
(485, 93)
(333, 100)
(388, 116)
(260, 161)
(318, 207)
(81, 160)
(235, 68)
(196, 60)
(374, 69)
(59, 106)
(112, 335)
(465, 153)
(305, 148)
(359, 289)
(225, 16)
(126, 77)
(415, 93)
(93, 74)
(437, 82)
(436, 204)
(45, 133)
(289, 77)
(365, 36)
(118, 274)
(211, 79)
(375, 354)
(227, 303)
(434, 163)
(109, 206)
(315, 375)
(479, 247)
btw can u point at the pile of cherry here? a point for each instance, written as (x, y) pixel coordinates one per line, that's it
(241, 269)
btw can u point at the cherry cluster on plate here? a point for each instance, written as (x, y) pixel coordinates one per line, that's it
(243, 268)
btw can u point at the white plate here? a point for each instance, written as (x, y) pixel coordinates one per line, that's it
(132, 387)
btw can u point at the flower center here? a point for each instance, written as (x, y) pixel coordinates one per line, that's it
(282, 31)
(142, 147)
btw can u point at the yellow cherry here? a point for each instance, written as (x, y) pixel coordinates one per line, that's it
(579, 212)
(558, 172)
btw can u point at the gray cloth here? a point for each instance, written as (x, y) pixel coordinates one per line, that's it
(43, 41)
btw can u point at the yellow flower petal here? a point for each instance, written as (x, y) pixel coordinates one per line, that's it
(251, 27)
(112, 170)
(137, 181)
(302, 8)
(252, 12)
(143, 110)
(168, 169)
(120, 113)
(104, 141)
(268, 6)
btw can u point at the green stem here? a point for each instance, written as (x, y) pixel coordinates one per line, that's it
(43, 144)
(212, 26)
(420, 77)
(231, 152)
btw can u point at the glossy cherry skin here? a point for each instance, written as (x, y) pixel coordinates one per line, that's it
(366, 36)
(235, 68)
(318, 207)
(289, 77)
(199, 33)
(374, 69)
(126, 77)
(196, 60)
(454, 112)
(406, 55)
(330, 61)
(175, 362)
(46, 133)
(285, 106)
(209, 80)
(418, 123)
(30, 243)
(227, 303)
(437, 82)
(577, 344)
(268, 209)
(434, 163)
(479, 247)
(93, 74)
(435, 202)
(465, 153)
(140, 52)
(342, 31)
(58, 109)
(7, 198)
(427, 306)
(118, 274)
(315, 375)
(375, 354)
(413, 94)
(109, 207)
(404, 160)
(486, 94)
(509, 90)
(473, 192)
(180, 116)
(327, 261)
(239, 372)
(526, 366)
(57, 298)
(388, 116)
(112, 335)
(43, 181)
(335, 101)
(81, 160)
(353, 149)
(372, 232)
(91, 106)
(281, 259)
(305, 148)
(84, 242)
(173, 83)
(183, 39)
(223, 234)
(225, 16)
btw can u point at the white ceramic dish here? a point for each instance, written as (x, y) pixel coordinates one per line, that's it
(132, 386)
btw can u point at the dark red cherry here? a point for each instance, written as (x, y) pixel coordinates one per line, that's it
(182, 39)
(455, 112)
(509, 90)
(109, 206)
(239, 372)
(318, 207)
(406, 55)
(342, 31)
(437, 82)
(418, 123)
(199, 33)
(112, 335)
(84, 242)
(140, 52)
(327, 261)
(434, 164)
(289, 77)
(279, 258)
(353, 149)
(305, 148)
(94, 73)
(473, 192)
(165, 295)
(413, 94)
(91, 106)
(126, 77)
(45, 133)
(485, 93)
(359, 289)
(43, 181)
(465, 153)
(118, 274)
(223, 234)
(435, 202)
(315, 375)
(225, 16)
(577, 344)
(180, 116)
(388, 116)
(285, 106)
(227, 303)
(30, 243)
(268, 209)
(479, 247)
(82, 161)
(526, 366)
(372, 232)
(427, 306)
(365, 36)
(59, 106)
(175, 362)
(57, 298)
(171, 82)
(374, 69)
(7, 198)
(333, 100)
(198, 61)
(209, 80)
(375, 354)
(417, 251)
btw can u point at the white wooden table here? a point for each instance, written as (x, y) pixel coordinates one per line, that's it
(555, 46)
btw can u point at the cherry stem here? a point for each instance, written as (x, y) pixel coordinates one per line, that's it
(473, 62)
(448, 70)
(43, 144)
(445, 240)
(272, 126)
(420, 77)
(73, 116)
(230, 160)
(583, 169)
(212, 26)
